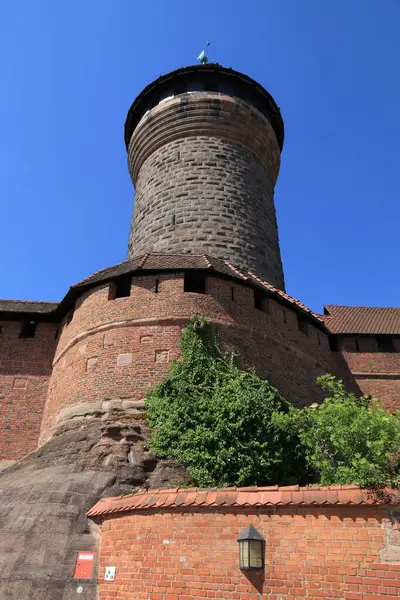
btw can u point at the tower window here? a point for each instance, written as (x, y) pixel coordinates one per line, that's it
(302, 324)
(156, 287)
(121, 287)
(385, 343)
(334, 343)
(257, 299)
(261, 301)
(195, 282)
(28, 329)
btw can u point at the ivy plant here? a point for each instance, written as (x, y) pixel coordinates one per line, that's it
(226, 425)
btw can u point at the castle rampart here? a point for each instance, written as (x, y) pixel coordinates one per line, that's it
(113, 349)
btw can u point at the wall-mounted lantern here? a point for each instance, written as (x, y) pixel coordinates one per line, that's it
(251, 549)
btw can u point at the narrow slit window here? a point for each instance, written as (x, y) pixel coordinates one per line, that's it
(258, 298)
(28, 329)
(156, 287)
(232, 294)
(302, 324)
(334, 343)
(195, 282)
(261, 302)
(121, 287)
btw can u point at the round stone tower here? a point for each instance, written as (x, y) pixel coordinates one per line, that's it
(204, 148)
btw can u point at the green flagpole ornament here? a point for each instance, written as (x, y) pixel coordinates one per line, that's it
(202, 56)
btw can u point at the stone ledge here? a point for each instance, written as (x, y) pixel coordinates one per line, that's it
(99, 408)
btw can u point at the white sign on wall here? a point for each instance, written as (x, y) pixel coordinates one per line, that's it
(109, 574)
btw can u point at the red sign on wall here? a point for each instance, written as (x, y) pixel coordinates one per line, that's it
(84, 565)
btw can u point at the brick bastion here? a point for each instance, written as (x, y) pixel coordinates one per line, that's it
(111, 350)
(181, 544)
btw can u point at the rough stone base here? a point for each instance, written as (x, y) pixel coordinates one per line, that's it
(44, 499)
(4, 464)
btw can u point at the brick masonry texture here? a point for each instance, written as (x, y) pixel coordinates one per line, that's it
(319, 552)
(204, 166)
(377, 374)
(25, 368)
(115, 350)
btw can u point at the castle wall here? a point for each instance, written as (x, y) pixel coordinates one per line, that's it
(25, 369)
(377, 374)
(173, 550)
(204, 166)
(116, 349)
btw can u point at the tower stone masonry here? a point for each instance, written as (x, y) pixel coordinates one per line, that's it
(204, 152)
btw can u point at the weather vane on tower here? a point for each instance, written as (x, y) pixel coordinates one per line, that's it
(202, 56)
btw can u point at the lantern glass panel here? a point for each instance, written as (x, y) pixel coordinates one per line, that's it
(244, 555)
(256, 554)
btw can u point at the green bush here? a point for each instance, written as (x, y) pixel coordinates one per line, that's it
(226, 425)
(350, 440)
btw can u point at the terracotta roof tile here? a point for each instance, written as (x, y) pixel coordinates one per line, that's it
(180, 498)
(230, 498)
(190, 497)
(158, 500)
(211, 497)
(170, 500)
(201, 498)
(362, 319)
(161, 261)
(286, 297)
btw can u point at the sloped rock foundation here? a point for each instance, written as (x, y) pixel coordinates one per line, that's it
(45, 496)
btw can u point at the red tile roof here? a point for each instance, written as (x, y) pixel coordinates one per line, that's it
(27, 306)
(347, 495)
(362, 320)
(161, 261)
(155, 261)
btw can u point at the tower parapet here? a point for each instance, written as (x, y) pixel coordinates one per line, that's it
(204, 148)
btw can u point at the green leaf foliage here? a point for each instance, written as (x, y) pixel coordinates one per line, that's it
(350, 440)
(228, 426)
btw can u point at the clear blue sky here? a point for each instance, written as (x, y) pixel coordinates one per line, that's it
(70, 71)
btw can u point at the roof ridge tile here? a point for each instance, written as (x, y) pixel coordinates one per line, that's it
(160, 499)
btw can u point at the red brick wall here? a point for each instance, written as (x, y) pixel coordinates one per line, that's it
(377, 373)
(25, 368)
(311, 552)
(117, 349)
